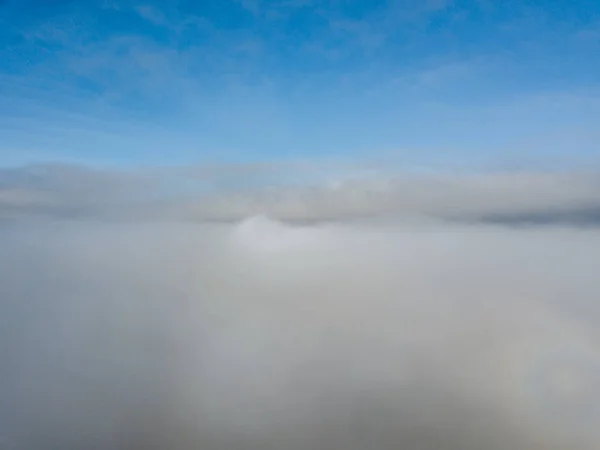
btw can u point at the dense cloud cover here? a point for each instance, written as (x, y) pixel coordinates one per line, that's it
(183, 334)
(299, 193)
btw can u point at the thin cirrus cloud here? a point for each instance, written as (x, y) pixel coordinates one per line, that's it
(264, 80)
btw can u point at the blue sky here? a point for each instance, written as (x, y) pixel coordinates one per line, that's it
(430, 82)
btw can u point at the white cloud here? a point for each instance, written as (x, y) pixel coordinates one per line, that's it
(157, 331)
(263, 335)
(152, 14)
(311, 193)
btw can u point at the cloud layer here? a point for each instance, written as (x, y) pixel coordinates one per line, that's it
(299, 193)
(258, 334)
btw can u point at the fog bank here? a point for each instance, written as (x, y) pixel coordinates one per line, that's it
(258, 334)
